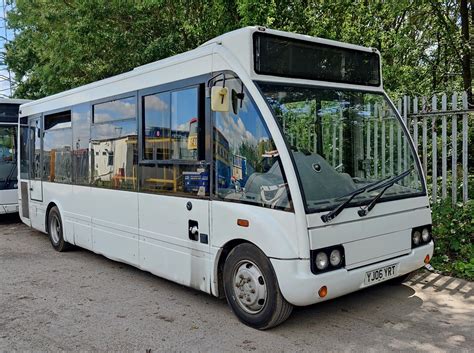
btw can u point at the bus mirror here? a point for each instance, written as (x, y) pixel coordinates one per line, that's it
(220, 99)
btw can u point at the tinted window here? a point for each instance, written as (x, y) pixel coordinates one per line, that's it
(9, 112)
(280, 56)
(81, 131)
(57, 140)
(114, 144)
(247, 164)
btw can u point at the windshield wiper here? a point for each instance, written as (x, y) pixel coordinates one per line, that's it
(334, 213)
(363, 212)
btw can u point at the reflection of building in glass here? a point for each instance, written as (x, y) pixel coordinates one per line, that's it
(163, 143)
(222, 157)
(239, 167)
(58, 165)
(113, 162)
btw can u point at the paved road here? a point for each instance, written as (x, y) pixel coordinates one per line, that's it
(75, 301)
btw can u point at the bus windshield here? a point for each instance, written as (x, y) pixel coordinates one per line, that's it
(8, 178)
(342, 140)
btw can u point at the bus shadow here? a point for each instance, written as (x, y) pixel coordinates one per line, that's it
(376, 303)
(9, 218)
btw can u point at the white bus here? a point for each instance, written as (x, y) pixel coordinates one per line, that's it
(8, 154)
(266, 167)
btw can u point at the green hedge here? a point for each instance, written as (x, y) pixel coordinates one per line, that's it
(453, 232)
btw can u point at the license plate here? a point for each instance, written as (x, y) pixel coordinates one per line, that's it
(381, 274)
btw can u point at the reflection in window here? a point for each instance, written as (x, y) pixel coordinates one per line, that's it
(8, 154)
(171, 125)
(35, 148)
(184, 124)
(114, 144)
(247, 165)
(81, 131)
(57, 138)
(119, 109)
(171, 134)
(157, 126)
(24, 160)
(175, 179)
(342, 140)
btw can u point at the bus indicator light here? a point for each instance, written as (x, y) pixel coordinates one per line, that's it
(427, 259)
(243, 222)
(323, 291)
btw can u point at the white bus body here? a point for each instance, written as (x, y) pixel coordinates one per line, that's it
(241, 212)
(8, 154)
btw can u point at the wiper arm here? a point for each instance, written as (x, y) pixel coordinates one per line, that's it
(363, 212)
(334, 213)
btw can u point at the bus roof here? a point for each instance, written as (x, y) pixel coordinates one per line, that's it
(13, 101)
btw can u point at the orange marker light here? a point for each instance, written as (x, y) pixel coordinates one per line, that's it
(323, 291)
(243, 222)
(427, 259)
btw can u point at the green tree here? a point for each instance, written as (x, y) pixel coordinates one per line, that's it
(64, 44)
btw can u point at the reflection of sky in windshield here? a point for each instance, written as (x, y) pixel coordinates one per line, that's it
(243, 127)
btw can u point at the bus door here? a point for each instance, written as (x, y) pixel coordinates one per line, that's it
(174, 234)
(35, 158)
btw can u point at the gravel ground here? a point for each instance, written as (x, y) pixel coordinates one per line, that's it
(80, 301)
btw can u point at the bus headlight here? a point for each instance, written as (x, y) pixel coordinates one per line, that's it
(426, 235)
(321, 260)
(335, 258)
(327, 259)
(416, 238)
(421, 236)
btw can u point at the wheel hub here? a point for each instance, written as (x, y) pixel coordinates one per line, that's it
(55, 229)
(250, 288)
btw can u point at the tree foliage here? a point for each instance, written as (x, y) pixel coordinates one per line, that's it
(64, 44)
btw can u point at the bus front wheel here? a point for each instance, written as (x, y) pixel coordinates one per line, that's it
(55, 230)
(252, 290)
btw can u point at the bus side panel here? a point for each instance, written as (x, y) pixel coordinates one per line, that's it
(115, 224)
(165, 244)
(59, 194)
(80, 216)
(273, 231)
(38, 215)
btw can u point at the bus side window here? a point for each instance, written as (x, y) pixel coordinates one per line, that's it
(170, 142)
(247, 164)
(114, 137)
(57, 140)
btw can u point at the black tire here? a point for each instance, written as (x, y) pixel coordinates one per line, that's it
(401, 279)
(268, 311)
(55, 231)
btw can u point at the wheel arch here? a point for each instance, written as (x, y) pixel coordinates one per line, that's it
(48, 209)
(221, 256)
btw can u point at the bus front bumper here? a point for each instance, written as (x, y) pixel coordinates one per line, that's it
(300, 286)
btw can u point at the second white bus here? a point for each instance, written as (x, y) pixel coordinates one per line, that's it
(263, 166)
